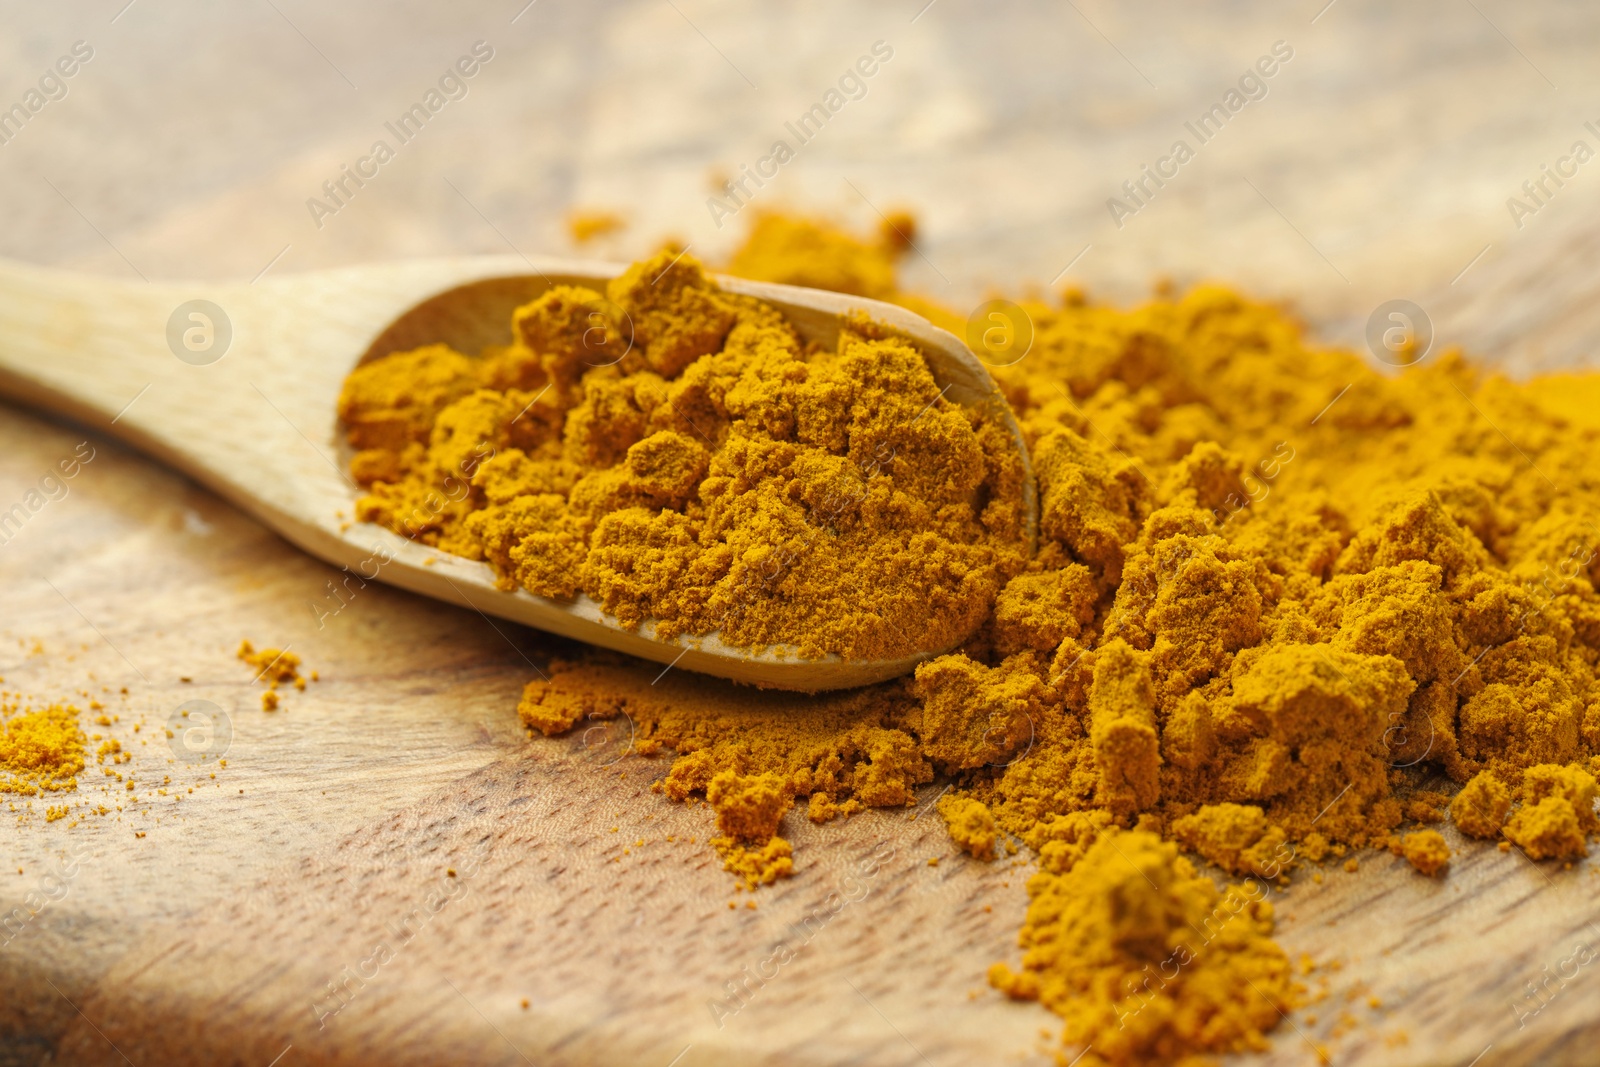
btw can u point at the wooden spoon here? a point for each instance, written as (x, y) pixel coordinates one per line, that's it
(236, 386)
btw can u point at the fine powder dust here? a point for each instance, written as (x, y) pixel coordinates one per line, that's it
(1284, 607)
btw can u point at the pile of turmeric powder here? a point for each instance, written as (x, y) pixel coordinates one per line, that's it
(1283, 606)
(41, 748)
(682, 456)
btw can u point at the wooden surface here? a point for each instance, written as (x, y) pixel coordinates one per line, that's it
(1381, 162)
(242, 394)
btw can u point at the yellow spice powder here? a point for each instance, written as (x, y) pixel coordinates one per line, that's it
(1479, 810)
(1427, 851)
(41, 749)
(703, 469)
(1145, 958)
(586, 226)
(1277, 593)
(273, 666)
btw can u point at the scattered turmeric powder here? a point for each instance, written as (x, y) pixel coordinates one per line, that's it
(1275, 591)
(751, 754)
(586, 226)
(273, 665)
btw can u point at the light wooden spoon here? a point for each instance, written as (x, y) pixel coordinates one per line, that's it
(237, 385)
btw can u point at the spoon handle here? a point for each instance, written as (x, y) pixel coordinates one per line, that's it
(235, 385)
(79, 345)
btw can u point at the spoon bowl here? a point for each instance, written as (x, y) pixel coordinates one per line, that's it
(237, 386)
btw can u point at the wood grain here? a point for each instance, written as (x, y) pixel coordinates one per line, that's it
(1381, 161)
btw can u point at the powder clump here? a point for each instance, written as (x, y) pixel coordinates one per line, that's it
(749, 809)
(1479, 810)
(1549, 829)
(1146, 959)
(1426, 850)
(971, 825)
(1570, 783)
(1236, 837)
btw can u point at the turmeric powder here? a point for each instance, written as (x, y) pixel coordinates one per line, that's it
(41, 749)
(586, 226)
(702, 469)
(273, 666)
(971, 825)
(1479, 810)
(749, 809)
(1145, 959)
(1276, 590)
(1426, 850)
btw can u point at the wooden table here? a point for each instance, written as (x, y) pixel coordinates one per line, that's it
(206, 927)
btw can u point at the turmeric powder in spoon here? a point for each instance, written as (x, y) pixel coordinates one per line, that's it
(679, 454)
